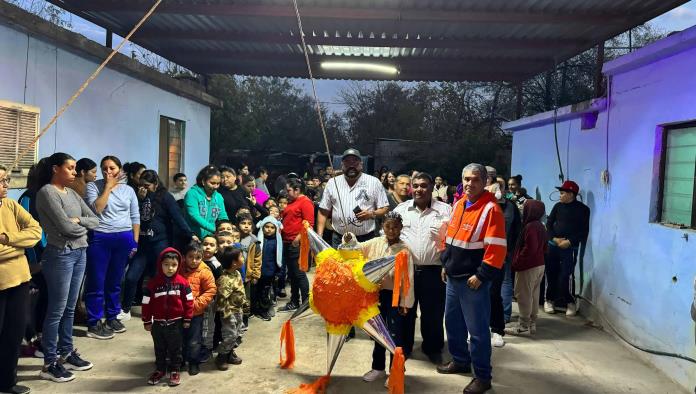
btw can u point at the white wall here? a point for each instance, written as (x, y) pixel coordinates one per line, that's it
(630, 262)
(117, 114)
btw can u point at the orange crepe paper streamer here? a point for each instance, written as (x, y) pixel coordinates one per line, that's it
(396, 376)
(287, 341)
(304, 250)
(316, 387)
(400, 277)
(336, 296)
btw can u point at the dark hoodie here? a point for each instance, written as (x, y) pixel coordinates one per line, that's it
(167, 299)
(531, 246)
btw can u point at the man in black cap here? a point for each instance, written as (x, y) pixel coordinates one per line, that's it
(352, 200)
(568, 226)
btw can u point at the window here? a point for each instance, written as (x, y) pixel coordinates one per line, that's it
(679, 172)
(171, 148)
(19, 125)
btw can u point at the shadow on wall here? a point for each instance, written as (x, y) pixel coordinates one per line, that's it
(585, 259)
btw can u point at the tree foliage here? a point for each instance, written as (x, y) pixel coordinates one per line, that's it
(267, 114)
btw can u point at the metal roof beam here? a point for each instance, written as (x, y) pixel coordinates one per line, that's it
(276, 38)
(345, 13)
(444, 63)
(298, 72)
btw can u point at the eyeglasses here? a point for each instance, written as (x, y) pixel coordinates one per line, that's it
(6, 181)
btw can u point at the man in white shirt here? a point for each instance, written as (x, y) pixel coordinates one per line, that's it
(424, 228)
(179, 188)
(353, 201)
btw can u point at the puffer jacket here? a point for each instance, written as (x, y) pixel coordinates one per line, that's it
(167, 299)
(203, 288)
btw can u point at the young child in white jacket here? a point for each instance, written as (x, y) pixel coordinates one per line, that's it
(388, 244)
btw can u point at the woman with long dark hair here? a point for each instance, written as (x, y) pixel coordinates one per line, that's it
(133, 170)
(39, 296)
(160, 219)
(65, 218)
(111, 244)
(389, 181)
(86, 170)
(204, 205)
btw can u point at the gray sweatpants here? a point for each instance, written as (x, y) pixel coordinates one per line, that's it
(231, 330)
(209, 325)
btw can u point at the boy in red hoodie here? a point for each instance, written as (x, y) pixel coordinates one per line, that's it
(528, 264)
(167, 308)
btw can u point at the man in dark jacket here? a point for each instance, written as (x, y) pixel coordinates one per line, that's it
(501, 286)
(568, 226)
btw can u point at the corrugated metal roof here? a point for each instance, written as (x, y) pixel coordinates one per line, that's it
(425, 39)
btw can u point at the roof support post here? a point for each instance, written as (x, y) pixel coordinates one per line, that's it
(109, 38)
(518, 104)
(599, 77)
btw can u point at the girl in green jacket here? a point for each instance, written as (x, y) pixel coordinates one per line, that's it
(204, 205)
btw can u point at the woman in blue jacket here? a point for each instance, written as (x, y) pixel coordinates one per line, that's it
(160, 218)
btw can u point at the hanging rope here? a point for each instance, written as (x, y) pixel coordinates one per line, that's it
(314, 88)
(318, 106)
(84, 85)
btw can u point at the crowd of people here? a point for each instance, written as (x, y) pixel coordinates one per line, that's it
(202, 261)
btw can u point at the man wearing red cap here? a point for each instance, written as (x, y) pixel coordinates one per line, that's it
(568, 225)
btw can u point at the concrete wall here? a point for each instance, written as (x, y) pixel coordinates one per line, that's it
(640, 275)
(117, 114)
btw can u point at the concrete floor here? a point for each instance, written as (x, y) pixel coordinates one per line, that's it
(566, 356)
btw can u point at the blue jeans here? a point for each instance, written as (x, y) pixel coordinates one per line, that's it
(107, 256)
(193, 339)
(468, 310)
(143, 262)
(63, 270)
(506, 291)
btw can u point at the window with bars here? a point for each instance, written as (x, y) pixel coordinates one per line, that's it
(679, 177)
(19, 124)
(171, 148)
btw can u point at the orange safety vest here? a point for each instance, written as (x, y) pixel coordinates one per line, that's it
(480, 226)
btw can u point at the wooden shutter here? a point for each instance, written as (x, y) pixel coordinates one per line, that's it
(19, 125)
(171, 148)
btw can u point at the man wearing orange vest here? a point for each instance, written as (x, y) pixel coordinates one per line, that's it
(474, 255)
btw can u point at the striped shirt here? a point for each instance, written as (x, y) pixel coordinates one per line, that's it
(341, 199)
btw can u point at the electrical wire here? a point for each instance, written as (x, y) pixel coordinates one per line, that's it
(84, 85)
(561, 177)
(639, 347)
(318, 106)
(311, 79)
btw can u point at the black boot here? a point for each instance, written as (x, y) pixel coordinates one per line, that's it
(221, 361)
(233, 359)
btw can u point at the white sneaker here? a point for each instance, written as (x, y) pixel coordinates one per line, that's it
(123, 316)
(468, 337)
(532, 328)
(373, 375)
(571, 309)
(497, 340)
(548, 307)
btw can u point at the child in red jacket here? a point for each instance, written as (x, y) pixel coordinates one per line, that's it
(167, 309)
(528, 264)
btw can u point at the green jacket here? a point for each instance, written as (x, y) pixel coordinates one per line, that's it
(201, 212)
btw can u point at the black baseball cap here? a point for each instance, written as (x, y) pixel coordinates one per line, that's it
(351, 152)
